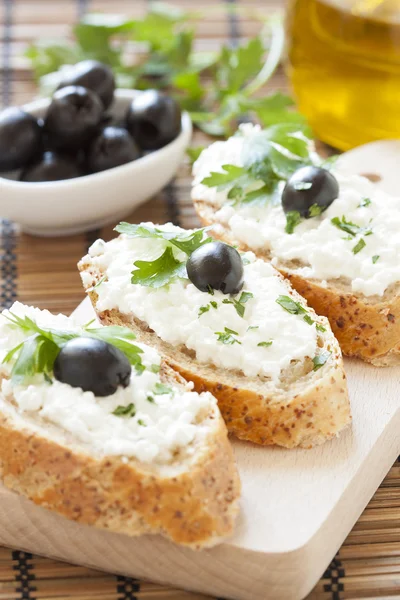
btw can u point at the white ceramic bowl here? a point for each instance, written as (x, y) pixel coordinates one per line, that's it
(91, 201)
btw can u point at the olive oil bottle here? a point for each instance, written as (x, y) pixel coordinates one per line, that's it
(344, 64)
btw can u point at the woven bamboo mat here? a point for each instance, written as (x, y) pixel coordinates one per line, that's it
(43, 272)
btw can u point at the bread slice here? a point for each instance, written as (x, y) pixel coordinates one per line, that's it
(350, 276)
(366, 327)
(304, 409)
(192, 499)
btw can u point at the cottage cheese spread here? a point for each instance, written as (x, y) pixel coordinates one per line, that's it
(173, 311)
(325, 250)
(171, 423)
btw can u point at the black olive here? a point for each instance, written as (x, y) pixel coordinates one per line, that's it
(216, 266)
(93, 75)
(153, 119)
(307, 187)
(111, 148)
(73, 118)
(51, 167)
(92, 365)
(20, 138)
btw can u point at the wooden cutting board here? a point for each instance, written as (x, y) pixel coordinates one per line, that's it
(297, 506)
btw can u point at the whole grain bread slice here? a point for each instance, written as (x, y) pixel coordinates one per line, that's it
(366, 327)
(307, 409)
(193, 502)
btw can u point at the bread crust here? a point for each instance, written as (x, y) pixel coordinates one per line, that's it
(365, 329)
(196, 507)
(304, 416)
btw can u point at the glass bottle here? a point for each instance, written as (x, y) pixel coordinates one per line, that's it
(344, 65)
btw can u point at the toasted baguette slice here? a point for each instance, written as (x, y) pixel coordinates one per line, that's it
(192, 498)
(305, 409)
(366, 326)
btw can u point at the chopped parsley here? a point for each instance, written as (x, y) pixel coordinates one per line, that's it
(375, 258)
(316, 210)
(160, 389)
(141, 423)
(364, 202)
(227, 336)
(359, 246)
(150, 399)
(206, 308)
(239, 304)
(320, 360)
(155, 368)
(350, 228)
(292, 307)
(252, 327)
(308, 319)
(125, 411)
(265, 344)
(293, 218)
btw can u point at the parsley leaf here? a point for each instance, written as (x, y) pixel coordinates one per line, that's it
(125, 411)
(320, 360)
(315, 210)
(288, 304)
(203, 309)
(364, 202)
(348, 227)
(194, 153)
(186, 241)
(157, 273)
(227, 336)
(161, 389)
(359, 246)
(239, 304)
(293, 219)
(265, 344)
(375, 258)
(38, 352)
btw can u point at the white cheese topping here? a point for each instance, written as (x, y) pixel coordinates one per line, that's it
(173, 311)
(169, 423)
(325, 250)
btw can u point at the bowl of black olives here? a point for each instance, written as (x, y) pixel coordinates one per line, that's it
(88, 155)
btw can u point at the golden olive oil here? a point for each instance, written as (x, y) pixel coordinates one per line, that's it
(344, 64)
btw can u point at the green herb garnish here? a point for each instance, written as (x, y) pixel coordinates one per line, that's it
(375, 258)
(265, 344)
(155, 368)
(216, 103)
(320, 328)
(316, 210)
(125, 411)
(206, 308)
(239, 304)
(364, 202)
(253, 327)
(351, 228)
(320, 360)
(292, 307)
(40, 349)
(227, 336)
(150, 399)
(359, 246)
(160, 272)
(161, 389)
(308, 320)
(293, 218)
(141, 423)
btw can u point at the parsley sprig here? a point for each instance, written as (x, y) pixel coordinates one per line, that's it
(166, 268)
(169, 61)
(38, 352)
(269, 159)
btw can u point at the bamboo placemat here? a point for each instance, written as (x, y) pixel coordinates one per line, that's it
(43, 272)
